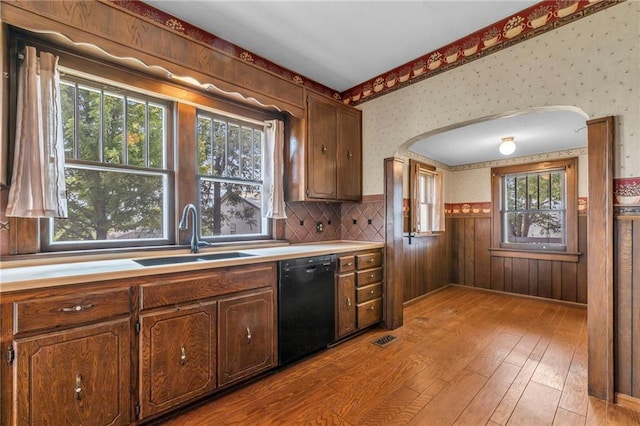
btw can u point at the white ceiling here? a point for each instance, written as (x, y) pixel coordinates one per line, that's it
(535, 132)
(343, 43)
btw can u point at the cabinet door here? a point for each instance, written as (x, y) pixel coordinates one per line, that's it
(349, 155)
(246, 328)
(321, 153)
(74, 377)
(346, 305)
(177, 356)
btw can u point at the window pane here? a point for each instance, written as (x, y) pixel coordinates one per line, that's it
(109, 205)
(88, 124)
(532, 191)
(219, 148)
(557, 191)
(156, 136)
(534, 227)
(510, 193)
(233, 153)
(521, 193)
(230, 208)
(113, 128)
(68, 105)
(246, 154)
(136, 132)
(203, 135)
(545, 194)
(257, 155)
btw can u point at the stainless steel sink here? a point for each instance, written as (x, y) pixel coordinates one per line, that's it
(170, 260)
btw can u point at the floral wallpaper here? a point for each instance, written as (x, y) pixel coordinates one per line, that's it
(527, 23)
(591, 64)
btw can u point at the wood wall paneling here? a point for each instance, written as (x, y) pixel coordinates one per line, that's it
(627, 306)
(394, 244)
(426, 265)
(482, 262)
(600, 327)
(469, 252)
(472, 264)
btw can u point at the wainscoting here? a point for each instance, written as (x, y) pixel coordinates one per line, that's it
(427, 264)
(627, 303)
(473, 265)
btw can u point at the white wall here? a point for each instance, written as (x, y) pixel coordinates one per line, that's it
(593, 64)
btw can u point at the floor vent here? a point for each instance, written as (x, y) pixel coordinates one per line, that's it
(384, 341)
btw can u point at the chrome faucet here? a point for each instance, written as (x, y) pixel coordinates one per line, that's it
(183, 226)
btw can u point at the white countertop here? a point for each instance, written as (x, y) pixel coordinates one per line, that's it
(22, 278)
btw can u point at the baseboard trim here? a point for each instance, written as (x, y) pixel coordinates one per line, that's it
(526, 296)
(424, 296)
(627, 401)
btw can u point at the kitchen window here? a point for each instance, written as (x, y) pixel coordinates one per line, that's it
(229, 177)
(117, 171)
(536, 206)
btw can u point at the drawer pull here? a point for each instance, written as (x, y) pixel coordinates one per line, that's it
(370, 291)
(348, 301)
(248, 335)
(371, 275)
(371, 260)
(371, 308)
(324, 149)
(78, 388)
(183, 355)
(349, 263)
(77, 308)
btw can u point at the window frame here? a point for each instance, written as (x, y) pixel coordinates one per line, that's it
(570, 167)
(167, 170)
(418, 169)
(267, 228)
(185, 100)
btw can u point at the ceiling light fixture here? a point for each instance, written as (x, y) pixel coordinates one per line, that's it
(508, 146)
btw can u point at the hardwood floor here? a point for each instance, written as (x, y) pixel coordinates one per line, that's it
(463, 357)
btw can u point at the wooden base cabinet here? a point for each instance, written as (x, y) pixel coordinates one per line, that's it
(359, 292)
(177, 356)
(345, 299)
(74, 377)
(246, 330)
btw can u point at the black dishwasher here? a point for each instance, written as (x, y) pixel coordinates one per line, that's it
(306, 306)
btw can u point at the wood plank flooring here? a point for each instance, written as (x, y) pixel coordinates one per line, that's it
(463, 357)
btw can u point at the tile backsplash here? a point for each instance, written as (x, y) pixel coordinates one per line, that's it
(347, 221)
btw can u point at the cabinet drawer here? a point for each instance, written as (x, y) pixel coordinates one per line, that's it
(369, 260)
(73, 309)
(369, 313)
(369, 276)
(370, 292)
(346, 263)
(190, 287)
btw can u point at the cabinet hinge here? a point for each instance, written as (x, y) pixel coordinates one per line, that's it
(11, 354)
(137, 327)
(137, 411)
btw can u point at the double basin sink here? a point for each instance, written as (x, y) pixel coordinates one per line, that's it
(171, 260)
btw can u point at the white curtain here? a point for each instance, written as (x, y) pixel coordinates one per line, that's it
(37, 184)
(273, 205)
(437, 219)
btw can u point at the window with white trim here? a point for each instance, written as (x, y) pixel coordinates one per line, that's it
(119, 180)
(229, 175)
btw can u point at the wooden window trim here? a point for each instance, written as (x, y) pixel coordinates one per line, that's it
(571, 201)
(185, 100)
(415, 168)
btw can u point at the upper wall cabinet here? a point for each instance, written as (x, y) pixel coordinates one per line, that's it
(324, 153)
